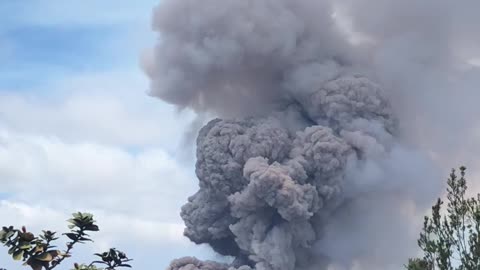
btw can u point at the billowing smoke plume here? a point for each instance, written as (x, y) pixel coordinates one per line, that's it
(310, 165)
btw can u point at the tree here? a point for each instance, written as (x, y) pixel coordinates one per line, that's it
(451, 240)
(39, 253)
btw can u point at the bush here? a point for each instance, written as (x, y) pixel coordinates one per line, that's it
(451, 240)
(39, 253)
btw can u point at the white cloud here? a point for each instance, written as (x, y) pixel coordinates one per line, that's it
(145, 239)
(93, 140)
(474, 62)
(93, 175)
(113, 226)
(96, 142)
(110, 107)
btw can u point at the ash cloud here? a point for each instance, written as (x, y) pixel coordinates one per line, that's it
(321, 155)
(234, 57)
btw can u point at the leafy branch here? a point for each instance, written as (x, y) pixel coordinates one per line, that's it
(39, 253)
(451, 240)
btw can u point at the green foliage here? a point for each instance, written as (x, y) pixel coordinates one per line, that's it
(85, 267)
(451, 240)
(112, 259)
(418, 264)
(39, 253)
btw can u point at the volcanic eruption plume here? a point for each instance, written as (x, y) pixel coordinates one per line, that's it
(305, 168)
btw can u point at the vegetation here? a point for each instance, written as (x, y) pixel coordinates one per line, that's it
(450, 237)
(451, 240)
(40, 253)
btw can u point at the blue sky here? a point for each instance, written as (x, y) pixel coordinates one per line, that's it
(39, 52)
(75, 114)
(39, 39)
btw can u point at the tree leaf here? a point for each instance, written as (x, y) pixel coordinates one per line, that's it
(25, 247)
(34, 264)
(55, 253)
(17, 255)
(92, 227)
(72, 236)
(9, 234)
(27, 236)
(44, 257)
(85, 239)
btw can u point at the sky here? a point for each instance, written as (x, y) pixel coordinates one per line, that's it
(78, 131)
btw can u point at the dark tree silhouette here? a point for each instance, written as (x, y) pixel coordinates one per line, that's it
(39, 253)
(450, 238)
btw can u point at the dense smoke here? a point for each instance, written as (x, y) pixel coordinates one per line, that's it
(315, 161)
